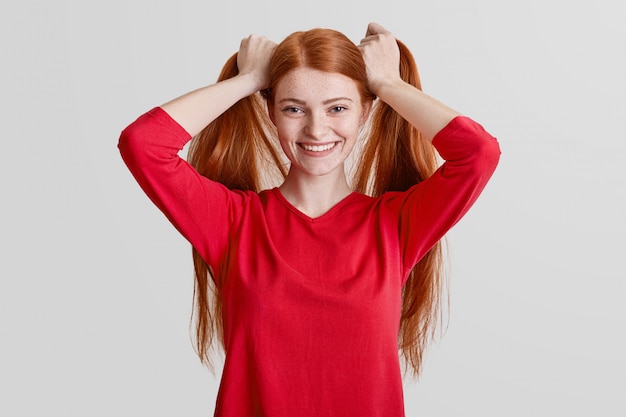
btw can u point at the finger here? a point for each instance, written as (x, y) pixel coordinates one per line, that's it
(371, 29)
(375, 28)
(369, 37)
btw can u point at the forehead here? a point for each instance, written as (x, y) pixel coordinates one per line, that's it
(313, 85)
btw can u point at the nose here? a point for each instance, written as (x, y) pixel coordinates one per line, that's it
(315, 126)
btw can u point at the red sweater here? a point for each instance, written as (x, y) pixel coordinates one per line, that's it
(311, 306)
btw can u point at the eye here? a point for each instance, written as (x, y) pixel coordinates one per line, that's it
(337, 109)
(292, 110)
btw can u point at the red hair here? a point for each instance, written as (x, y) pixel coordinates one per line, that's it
(394, 157)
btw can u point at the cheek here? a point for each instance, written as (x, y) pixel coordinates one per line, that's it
(349, 128)
(287, 135)
(285, 126)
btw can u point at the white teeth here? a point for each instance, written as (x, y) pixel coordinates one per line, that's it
(318, 148)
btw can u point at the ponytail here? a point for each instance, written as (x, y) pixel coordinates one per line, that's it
(394, 158)
(238, 150)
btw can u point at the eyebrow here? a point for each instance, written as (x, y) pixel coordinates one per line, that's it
(302, 102)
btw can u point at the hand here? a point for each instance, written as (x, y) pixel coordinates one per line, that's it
(382, 56)
(254, 57)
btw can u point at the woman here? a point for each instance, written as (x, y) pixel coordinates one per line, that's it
(313, 286)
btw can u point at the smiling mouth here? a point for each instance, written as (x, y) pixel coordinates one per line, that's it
(317, 148)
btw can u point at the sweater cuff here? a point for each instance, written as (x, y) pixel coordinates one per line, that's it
(461, 137)
(169, 123)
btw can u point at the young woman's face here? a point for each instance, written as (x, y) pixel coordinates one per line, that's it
(318, 115)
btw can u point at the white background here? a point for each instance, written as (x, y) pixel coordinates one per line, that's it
(96, 286)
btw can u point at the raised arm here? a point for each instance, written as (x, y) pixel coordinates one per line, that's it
(199, 208)
(429, 209)
(382, 58)
(196, 109)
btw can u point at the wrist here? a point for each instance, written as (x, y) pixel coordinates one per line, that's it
(386, 88)
(250, 83)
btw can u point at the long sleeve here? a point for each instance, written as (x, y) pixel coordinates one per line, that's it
(202, 210)
(435, 205)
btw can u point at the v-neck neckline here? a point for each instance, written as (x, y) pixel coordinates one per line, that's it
(305, 216)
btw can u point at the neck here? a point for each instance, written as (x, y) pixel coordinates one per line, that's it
(314, 196)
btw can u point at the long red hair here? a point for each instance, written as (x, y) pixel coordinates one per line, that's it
(394, 157)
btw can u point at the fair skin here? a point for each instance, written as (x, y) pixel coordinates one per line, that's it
(381, 55)
(318, 116)
(306, 113)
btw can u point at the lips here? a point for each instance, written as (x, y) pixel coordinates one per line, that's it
(317, 148)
